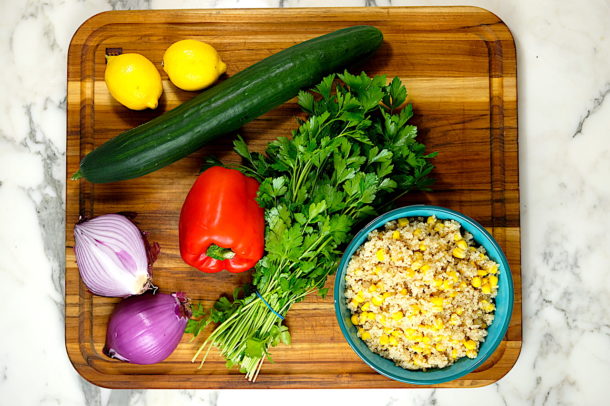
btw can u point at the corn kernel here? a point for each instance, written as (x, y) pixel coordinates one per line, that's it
(381, 319)
(438, 323)
(384, 339)
(409, 273)
(493, 280)
(470, 345)
(395, 333)
(437, 301)
(360, 331)
(387, 330)
(431, 220)
(377, 270)
(380, 285)
(403, 222)
(463, 285)
(417, 232)
(426, 340)
(453, 294)
(437, 282)
(416, 265)
(416, 348)
(393, 341)
(355, 320)
(395, 258)
(424, 268)
(353, 303)
(493, 269)
(454, 353)
(482, 272)
(415, 307)
(387, 294)
(486, 289)
(439, 347)
(380, 255)
(452, 275)
(372, 288)
(489, 307)
(396, 235)
(457, 236)
(362, 318)
(454, 320)
(459, 311)
(377, 300)
(471, 354)
(459, 253)
(472, 249)
(476, 282)
(366, 306)
(447, 285)
(403, 291)
(462, 244)
(423, 247)
(358, 299)
(372, 316)
(397, 316)
(438, 227)
(409, 332)
(418, 256)
(366, 335)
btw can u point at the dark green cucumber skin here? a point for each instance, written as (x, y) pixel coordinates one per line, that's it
(227, 106)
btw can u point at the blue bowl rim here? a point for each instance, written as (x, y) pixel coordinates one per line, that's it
(380, 221)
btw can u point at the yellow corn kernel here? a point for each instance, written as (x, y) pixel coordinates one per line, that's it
(439, 227)
(360, 331)
(447, 285)
(471, 354)
(418, 256)
(426, 340)
(396, 235)
(363, 317)
(472, 249)
(409, 332)
(482, 272)
(387, 330)
(377, 270)
(417, 232)
(463, 285)
(353, 303)
(452, 274)
(439, 347)
(366, 306)
(416, 348)
(493, 269)
(454, 353)
(436, 301)
(372, 316)
(380, 255)
(457, 236)
(437, 282)
(470, 345)
(415, 307)
(409, 273)
(424, 268)
(403, 222)
(366, 335)
(372, 288)
(486, 289)
(438, 323)
(397, 315)
(476, 282)
(393, 341)
(381, 318)
(489, 307)
(423, 247)
(384, 339)
(403, 291)
(453, 294)
(355, 319)
(462, 244)
(380, 285)
(387, 294)
(377, 300)
(396, 333)
(459, 311)
(395, 258)
(416, 265)
(493, 280)
(431, 220)
(459, 253)
(454, 320)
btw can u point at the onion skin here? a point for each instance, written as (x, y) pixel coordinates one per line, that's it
(146, 329)
(113, 256)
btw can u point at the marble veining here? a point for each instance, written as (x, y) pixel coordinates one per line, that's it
(564, 115)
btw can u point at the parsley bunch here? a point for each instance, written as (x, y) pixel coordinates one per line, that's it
(353, 154)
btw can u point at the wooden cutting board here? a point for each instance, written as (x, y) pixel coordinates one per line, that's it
(459, 66)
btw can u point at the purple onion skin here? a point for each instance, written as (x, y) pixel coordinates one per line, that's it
(146, 329)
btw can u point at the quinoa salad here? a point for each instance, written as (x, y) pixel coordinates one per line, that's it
(421, 293)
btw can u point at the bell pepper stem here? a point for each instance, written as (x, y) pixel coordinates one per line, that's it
(219, 253)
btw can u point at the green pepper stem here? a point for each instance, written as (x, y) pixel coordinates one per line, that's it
(219, 253)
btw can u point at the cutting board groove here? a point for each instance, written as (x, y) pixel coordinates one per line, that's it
(459, 66)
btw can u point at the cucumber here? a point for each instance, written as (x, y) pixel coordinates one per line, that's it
(227, 106)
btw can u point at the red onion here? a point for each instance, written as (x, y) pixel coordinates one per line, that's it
(146, 329)
(111, 253)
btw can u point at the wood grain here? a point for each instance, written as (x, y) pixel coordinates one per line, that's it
(459, 66)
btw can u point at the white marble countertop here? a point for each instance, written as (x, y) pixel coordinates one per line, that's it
(564, 117)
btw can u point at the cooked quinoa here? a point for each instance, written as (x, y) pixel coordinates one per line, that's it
(421, 293)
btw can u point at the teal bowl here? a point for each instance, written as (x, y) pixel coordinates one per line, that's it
(495, 332)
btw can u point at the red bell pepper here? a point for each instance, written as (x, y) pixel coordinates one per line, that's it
(221, 224)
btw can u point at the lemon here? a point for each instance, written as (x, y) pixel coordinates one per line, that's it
(133, 81)
(192, 65)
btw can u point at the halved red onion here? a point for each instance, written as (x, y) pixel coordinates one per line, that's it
(112, 258)
(146, 329)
